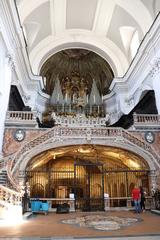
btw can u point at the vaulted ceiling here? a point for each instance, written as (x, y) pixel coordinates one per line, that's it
(68, 63)
(111, 28)
(112, 158)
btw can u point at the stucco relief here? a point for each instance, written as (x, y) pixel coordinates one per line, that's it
(155, 67)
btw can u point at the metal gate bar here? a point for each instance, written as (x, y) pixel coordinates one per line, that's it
(88, 182)
(89, 187)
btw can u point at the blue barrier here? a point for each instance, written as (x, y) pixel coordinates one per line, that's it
(38, 206)
(35, 206)
(44, 206)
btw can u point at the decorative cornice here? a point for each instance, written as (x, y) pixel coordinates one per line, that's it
(26, 97)
(10, 60)
(155, 67)
(130, 100)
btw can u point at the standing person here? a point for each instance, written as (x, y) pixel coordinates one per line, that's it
(136, 196)
(143, 199)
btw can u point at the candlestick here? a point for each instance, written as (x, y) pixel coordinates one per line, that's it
(58, 98)
(90, 109)
(94, 98)
(87, 98)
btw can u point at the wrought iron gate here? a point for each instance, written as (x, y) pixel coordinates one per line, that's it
(89, 182)
(118, 184)
(89, 187)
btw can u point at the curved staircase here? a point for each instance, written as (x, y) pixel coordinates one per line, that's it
(10, 203)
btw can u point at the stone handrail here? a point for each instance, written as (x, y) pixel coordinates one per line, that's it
(4, 161)
(20, 115)
(21, 118)
(140, 143)
(87, 133)
(146, 119)
(9, 196)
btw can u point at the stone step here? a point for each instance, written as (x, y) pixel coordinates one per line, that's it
(155, 211)
(27, 215)
(3, 177)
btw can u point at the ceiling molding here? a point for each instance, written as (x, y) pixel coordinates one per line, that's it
(59, 16)
(26, 7)
(135, 8)
(52, 11)
(139, 12)
(103, 16)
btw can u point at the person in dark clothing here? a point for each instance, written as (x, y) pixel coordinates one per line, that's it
(143, 199)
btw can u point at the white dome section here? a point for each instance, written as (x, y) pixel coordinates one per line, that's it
(68, 25)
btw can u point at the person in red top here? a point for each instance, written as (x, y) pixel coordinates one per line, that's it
(136, 196)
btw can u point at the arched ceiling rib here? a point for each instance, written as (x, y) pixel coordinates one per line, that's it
(105, 48)
(103, 13)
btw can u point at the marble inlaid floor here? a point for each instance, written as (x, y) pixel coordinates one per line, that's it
(52, 226)
(100, 222)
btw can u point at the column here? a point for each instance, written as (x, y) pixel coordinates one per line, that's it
(106, 202)
(152, 179)
(153, 186)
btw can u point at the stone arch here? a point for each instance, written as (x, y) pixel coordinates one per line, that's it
(103, 47)
(24, 160)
